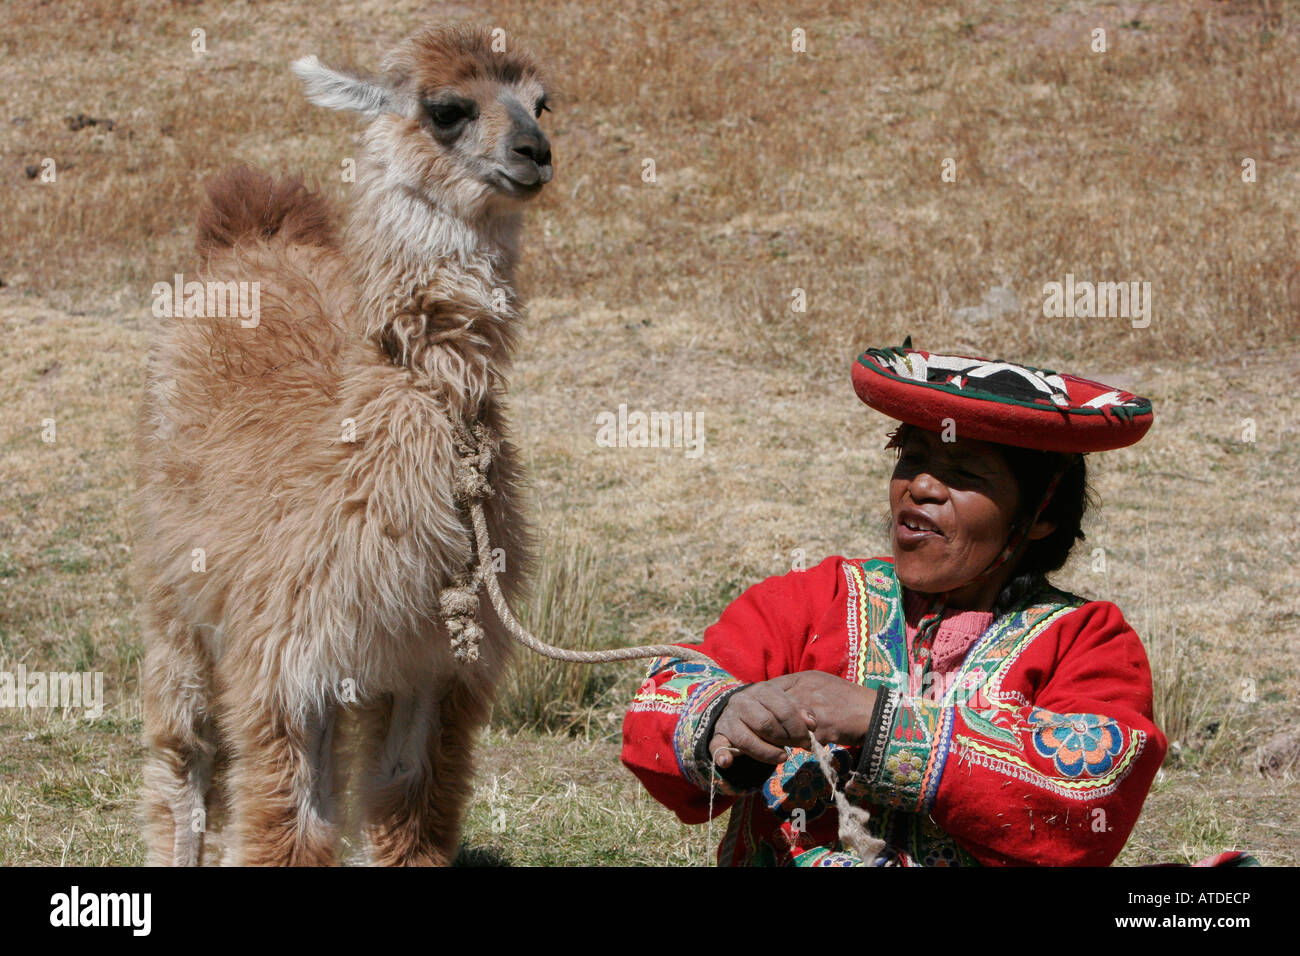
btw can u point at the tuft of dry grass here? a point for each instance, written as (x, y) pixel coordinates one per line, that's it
(539, 693)
(1196, 713)
(542, 800)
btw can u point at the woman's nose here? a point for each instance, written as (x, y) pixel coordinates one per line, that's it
(925, 486)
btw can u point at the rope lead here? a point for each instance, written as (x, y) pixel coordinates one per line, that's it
(459, 603)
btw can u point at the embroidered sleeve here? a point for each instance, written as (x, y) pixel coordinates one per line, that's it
(694, 694)
(759, 636)
(1049, 766)
(904, 754)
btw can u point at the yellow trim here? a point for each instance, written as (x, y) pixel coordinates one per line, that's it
(1092, 783)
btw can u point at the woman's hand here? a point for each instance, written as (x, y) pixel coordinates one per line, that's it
(764, 718)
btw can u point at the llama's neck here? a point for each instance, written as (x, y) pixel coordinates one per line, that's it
(437, 292)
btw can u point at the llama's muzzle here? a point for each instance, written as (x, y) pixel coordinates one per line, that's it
(527, 152)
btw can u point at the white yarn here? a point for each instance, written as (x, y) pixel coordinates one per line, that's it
(854, 835)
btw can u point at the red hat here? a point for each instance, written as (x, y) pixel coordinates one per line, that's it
(999, 401)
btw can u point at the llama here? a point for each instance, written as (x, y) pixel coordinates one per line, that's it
(295, 475)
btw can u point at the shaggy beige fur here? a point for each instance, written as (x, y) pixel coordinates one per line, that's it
(296, 518)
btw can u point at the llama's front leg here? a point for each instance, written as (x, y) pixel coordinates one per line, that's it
(417, 794)
(397, 784)
(281, 787)
(181, 741)
(451, 754)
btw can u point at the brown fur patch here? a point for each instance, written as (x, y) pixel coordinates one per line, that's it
(450, 56)
(246, 203)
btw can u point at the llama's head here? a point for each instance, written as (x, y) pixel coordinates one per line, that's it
(453, 119)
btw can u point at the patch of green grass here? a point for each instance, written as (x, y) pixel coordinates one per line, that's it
(68, 560)
(539, 693)
(68, 790)
(84, 651)
(569, 803)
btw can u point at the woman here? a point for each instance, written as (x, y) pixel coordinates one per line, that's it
(978, 713)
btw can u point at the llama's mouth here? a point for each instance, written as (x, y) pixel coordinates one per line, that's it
(525, 187)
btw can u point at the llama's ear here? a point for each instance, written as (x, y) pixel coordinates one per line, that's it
(337, 90)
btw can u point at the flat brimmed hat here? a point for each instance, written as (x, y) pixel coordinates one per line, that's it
(998, 401)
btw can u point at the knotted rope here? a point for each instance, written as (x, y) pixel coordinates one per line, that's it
(459, 603)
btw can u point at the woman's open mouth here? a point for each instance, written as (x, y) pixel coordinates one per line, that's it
(913, 527)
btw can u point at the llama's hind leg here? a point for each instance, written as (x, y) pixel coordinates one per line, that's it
(418, 797)
(180, 735)
(281, 775)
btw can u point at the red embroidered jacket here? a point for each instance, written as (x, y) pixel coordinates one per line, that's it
(1041, 751)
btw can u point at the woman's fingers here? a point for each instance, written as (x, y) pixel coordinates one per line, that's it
(760, 722)
(802, 694)
(750, 744)
(774, 716)
(720, 750)
(767, 717)
(837, 710)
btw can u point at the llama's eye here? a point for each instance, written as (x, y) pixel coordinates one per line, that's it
(447, 115)
(540, 108)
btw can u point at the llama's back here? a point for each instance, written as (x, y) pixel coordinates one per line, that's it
(247, 204)
(272, 292)
(238, 406)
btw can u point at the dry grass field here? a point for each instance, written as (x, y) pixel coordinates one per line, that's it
(775, 170)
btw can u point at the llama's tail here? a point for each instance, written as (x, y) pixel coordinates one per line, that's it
(247, 204)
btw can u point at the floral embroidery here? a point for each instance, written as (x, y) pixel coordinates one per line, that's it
(906, 768)
(798, 783)
(1079, 744)
(941, 854)
(878, 580)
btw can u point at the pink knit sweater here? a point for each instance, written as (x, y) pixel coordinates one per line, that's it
(958, 631)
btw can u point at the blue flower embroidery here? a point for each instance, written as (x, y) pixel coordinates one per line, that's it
(1079, 744)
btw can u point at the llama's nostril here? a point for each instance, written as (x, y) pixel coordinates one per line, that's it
(532, 145)
(540, 156)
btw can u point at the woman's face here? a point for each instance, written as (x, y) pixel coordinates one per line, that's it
(952, 505)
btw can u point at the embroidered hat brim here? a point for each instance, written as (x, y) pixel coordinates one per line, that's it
(999, 401)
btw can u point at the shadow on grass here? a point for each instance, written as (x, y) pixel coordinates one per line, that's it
(481, 856)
